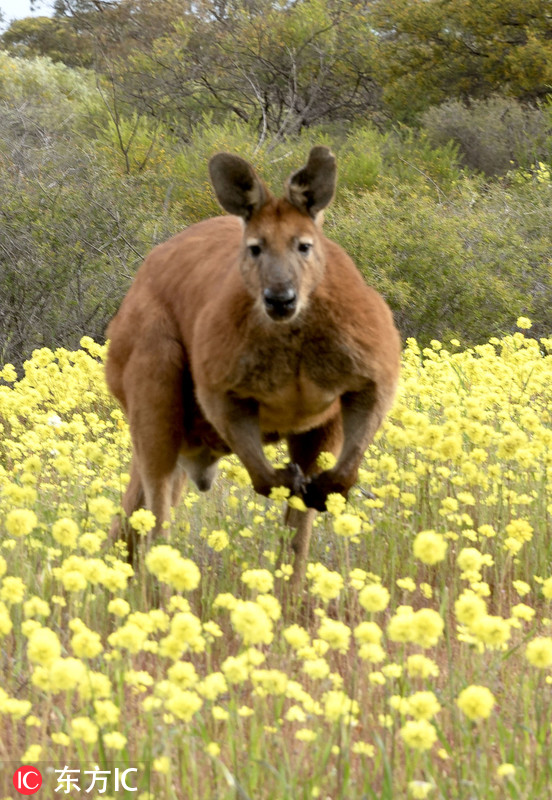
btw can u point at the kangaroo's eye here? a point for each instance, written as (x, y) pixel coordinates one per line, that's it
(304, 247)
(255, 250)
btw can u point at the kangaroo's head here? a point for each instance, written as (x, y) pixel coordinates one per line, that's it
(282, 258)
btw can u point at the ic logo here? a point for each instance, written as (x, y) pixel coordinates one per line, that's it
(27, 780)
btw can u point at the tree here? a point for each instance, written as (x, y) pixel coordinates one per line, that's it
(282, 67)
(433, 50)
(44, 36)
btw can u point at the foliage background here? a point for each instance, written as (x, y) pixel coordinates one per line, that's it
(438, 113)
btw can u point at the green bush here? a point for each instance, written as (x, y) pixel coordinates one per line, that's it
(491, 135)
(87, 191)
(446, 269)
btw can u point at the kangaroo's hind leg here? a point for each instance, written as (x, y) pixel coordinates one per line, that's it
(304, 449)
(155, 408)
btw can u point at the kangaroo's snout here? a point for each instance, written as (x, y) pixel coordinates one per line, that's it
(280, 303)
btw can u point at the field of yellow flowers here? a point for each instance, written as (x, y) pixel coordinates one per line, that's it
(419, 664)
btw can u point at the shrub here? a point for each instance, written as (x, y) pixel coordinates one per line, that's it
(491, 135)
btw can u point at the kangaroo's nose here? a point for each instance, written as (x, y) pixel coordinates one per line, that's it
(280, 303)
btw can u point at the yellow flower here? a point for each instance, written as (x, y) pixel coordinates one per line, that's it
(305, 735)
(129, 636)
(476, 702)
(13, 590)
(107, 713)
(326, 460)
(66, 532)
(296, 636)
(539, 652)
(317, 668)
(270, 604)
(212, 686)
(336, 633)
(505, 771)
(520, 530)
(408, 584)
(8, 373)
(523, 611)
(326, 584)
(430, 547)
(166, 563)
(494, 631)
(252, 623)
(182, 674)
(420, 790)
(32, 754)
(368, 633)
(219, 713)
(297, 503)
(295, 714)
(114, 740)
(423, 705)
(335, 504)
(470, 560)
(347, 525)
(61, 739)
(66, 674)
(86, 643)
(103, 509)
(521, 587)
(260, 580)
(524, 323)
(512, 545)
(337, 705)
(162, 765)
(20, 522)
(44, 647)
(369, 651)
(83, 728)
(184, 704)
(119, 607)
(547, 588)
(419, 666)
(469, 607)
(212, 749)
(419, 734)
(235, 669)
(428, 627)
(142, 520)
(218, 540)
(269, 681)
(6, 624)
(364, 749)
(374, 597)
(279, 493)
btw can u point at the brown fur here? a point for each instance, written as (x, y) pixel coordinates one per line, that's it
(208, 354)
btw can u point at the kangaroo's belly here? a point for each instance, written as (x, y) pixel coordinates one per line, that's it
(297, 406)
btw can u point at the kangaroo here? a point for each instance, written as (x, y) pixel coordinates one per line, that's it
(246, 329)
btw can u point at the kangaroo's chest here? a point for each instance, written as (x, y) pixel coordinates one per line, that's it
(297, 386)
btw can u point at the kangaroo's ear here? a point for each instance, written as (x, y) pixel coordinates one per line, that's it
(312, 187)
(237, 187)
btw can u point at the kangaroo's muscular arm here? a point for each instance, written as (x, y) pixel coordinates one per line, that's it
(237, 421)
(362, 413)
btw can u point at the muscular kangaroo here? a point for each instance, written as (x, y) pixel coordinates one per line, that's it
(250, 328)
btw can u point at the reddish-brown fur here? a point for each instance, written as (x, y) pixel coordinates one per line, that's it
(217, 348)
